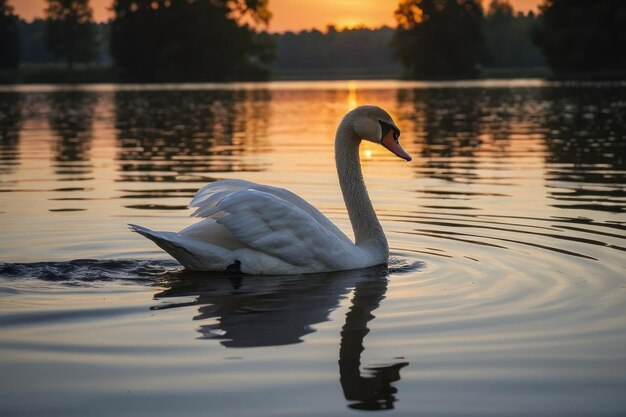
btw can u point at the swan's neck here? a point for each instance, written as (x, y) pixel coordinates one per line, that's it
(365, 224)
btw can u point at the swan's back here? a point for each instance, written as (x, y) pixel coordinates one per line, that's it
(211, 194)
(260, 230)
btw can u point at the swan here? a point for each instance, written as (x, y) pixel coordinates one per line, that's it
(259, 229)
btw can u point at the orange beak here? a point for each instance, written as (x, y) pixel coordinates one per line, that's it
(390, 141)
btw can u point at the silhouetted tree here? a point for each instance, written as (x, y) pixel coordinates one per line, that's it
(33, 42)
(499, 33)
(9, 36)
(348, 48)
(580, 36)
(508, 38)
(179, 40)
(69, 31)
(439, 38)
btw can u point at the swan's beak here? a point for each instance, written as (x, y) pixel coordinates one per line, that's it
(390, 141)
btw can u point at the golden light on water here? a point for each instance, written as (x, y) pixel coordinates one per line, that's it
(352, 98)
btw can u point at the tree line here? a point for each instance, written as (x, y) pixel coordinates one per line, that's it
(216, 40)
(147, 40)
(454, 38)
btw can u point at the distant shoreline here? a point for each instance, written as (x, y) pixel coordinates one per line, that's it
(89, 74)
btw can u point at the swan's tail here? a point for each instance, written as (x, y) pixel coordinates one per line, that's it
(192, 254)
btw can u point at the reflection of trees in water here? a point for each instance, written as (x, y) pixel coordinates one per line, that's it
(583, 129)
(273, 311)
(71, 119)
(456, 126)
(177, 135)
(10, 124)
(585, 135)
(449, 122)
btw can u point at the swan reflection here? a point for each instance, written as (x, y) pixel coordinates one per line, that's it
(280, 310)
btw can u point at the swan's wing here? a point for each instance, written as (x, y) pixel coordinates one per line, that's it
(211, 194)
(275, 226)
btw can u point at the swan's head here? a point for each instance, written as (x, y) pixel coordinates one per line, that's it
(373, 124)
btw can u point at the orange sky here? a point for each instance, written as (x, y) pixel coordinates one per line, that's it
(290, 14)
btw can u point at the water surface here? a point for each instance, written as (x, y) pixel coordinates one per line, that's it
(505, 293)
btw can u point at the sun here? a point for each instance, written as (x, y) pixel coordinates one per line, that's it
(348, 23)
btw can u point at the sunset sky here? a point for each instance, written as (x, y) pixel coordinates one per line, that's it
(290, 14)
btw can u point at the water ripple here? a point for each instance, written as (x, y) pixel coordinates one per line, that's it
(89, 270)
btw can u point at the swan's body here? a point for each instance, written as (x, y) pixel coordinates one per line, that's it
(258, 229)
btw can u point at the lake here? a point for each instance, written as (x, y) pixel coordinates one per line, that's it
(505, 293)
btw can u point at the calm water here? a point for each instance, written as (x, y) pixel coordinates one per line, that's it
(506, 293)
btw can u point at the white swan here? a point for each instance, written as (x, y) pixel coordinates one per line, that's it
(258, 229)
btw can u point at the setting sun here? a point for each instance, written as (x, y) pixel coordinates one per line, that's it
(347, 23)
